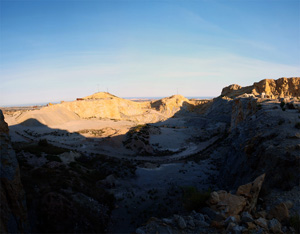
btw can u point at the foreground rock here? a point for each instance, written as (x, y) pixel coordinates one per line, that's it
(13, 208)
(229, 213)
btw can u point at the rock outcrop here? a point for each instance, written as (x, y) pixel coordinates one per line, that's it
(283, 87)
(12, 201)
(245, 198)
(242, 108)
(171, 105)
(270, 88)
(108, 106)
(227, 213)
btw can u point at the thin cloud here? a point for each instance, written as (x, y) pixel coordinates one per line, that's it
(157, 76)
(256, 44)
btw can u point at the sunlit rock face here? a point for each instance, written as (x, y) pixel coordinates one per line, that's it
(13, 204)
(108, 106)
(283, 87)
(270, 88)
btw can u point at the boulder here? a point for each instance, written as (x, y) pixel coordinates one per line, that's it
(246, 217)
(200, 223)
(250, 226)
(261, 214)
(181, 222)
(212, 214)
(251, 192)
(274, 226)
(280, 212)
(140, 231)
(191, 223)
(234, 228)
(230, 219)
(230, 204)
(262, 223)
(214, 198)
(217, 224)
(289, 204)
(230, 227)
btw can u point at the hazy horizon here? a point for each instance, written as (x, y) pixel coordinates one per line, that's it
(64, 49)
(57, 100)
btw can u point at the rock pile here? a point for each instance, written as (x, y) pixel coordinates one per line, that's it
(228, 213)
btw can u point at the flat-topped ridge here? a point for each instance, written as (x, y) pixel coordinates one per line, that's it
(270, 88)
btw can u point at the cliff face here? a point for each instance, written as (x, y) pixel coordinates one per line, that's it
(283, 87)
(280, 88)
(13, 204)
(263, 136)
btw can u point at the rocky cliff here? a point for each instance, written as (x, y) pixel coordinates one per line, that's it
(280, 88)
(13, 204)
(263, 136)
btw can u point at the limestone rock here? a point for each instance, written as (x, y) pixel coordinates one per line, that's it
(289, 204)
(242, 108)
(12, 196)
(140, 231)
(250, 225)
(108, 106)
(229, 203)
(251, 192)
(262, 223)
(246, 217)
(230, 219)
(278, 88)
(261, 214)
(229, 89)
(217, 224)
(201, 223)
(3, 124)
(234, 228)
(167, 221)
(214, 198)
(275, 226)
(181, 222)
(212, 214)
(267, 88)
(280, 212)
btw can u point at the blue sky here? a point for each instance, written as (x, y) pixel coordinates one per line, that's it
(59, 50)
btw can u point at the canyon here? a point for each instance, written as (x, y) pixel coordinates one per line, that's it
(106, 164)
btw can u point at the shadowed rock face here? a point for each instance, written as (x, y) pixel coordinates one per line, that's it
(13, 204)
(283, 87)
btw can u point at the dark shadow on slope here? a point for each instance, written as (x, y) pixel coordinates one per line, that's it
(32, 123)
(239, 166)
(64, 197)
(69, 187)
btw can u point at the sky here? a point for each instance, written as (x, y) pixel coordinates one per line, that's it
(53, 50)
